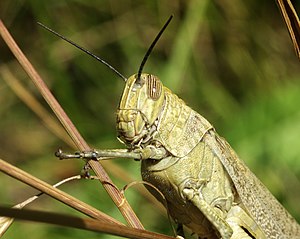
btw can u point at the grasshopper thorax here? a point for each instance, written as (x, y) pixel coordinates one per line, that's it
(140, 106)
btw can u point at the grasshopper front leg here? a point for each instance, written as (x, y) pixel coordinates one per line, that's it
(104, 154)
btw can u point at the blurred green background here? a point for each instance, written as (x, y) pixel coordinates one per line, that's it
(232, 61)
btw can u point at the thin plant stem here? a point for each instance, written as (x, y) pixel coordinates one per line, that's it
(54, 192)
(81, 223)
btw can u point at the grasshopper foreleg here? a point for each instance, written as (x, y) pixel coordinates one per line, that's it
(104, 154)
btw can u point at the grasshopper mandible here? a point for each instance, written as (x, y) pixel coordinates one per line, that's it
(206, 186)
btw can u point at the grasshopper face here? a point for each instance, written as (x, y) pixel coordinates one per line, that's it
(140, 105)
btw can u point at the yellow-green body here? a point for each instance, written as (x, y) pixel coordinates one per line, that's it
(206, 186)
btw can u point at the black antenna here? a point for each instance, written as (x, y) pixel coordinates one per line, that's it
(151, 48)
(84, 50)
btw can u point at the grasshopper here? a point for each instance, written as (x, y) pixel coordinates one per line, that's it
(206, 186)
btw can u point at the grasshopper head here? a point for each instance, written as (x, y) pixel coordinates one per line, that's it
(141, 103)
(139, 107)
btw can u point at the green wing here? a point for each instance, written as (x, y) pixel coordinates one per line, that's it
(269, 214)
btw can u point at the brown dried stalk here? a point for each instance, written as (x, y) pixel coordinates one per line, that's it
(54, 192)
(111, 189)
(292, 22)
(81, 223)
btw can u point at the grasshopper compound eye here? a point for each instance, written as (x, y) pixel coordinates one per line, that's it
(154, 87)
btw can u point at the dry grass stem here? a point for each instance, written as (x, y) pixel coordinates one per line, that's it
(54, 192)
(5, 222)
(292, 22)
(81, 223)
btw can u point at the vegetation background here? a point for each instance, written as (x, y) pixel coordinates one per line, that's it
(232, 61)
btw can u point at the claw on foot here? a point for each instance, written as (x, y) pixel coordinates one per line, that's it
(61, 155)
